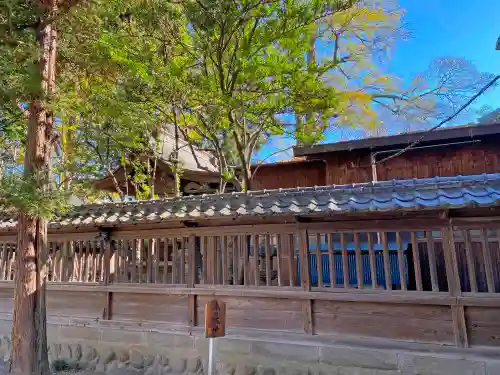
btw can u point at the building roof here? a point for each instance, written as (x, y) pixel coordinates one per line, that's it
(186, 157)
(445, 134)
(404, 195)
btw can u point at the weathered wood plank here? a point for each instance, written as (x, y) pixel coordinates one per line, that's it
(308, 317)
(345, 261)
(279, 256)
(256, 257)
(331, 259)
(305, 274)
(431, 252)
(359, 261)
(459, 326)
(318, 260)
(416, 261)
(267, 249)
(488, 265)
(401, 261)
(291, 261)
(387, 268)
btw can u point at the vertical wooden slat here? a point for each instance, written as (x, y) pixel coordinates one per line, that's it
(60, 260)
(165, 260)
(218, 263)
(107, 260)
(133, 262)
(307, 316)
(12, 254)
(191, 279)
(279, 256)
(387, 266)
(90, 261)
(305, 265)
(359, 261)
(450, 261)
(234, 252)
(488, 265)
(246, 261)
(203, 248)
(95, 261)
(74, 258)
(345, 261)
(432, 262)
(256, 256)
(416, 261)
(141, 259)
(401, 261)
(174, 260)
(116, 260)
(291, 260)
(331, 258)
(156, 259)
(191, 309)
(459, 326)
(225, 262)
(119, 256)
(268, 260)
(470, 261)
(183, 261)
(213, 257)
(80, 261)
(3, 260)
(318, 260)
(149, 261)
(371, 259)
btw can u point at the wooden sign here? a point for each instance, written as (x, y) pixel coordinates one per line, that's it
(215, 319)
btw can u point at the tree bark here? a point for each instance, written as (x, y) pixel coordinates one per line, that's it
(29, 333)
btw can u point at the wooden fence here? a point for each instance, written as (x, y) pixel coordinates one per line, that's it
(407, 280)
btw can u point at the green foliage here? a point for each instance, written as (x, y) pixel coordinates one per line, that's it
(24, 194)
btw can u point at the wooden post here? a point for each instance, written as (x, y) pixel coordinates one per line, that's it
(305, 280)
(457, 311)
(107, 267)
(191, 280)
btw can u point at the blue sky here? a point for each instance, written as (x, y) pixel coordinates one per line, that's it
(455, 28)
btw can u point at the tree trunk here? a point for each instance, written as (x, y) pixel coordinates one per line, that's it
(177, 177)
(29, 334)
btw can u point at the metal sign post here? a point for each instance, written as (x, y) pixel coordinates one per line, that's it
(215, 326)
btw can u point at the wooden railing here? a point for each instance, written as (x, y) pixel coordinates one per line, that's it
(308, 256)
(320, 278)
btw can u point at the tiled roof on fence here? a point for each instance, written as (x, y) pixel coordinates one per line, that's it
(410, 195)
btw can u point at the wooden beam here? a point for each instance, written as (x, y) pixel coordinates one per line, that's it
(305, 265)
(459, 326)
(308, 316)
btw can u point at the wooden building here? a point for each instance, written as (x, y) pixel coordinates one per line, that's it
(453, 151)
(404, 265)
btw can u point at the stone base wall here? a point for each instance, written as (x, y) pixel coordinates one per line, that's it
(121, 351)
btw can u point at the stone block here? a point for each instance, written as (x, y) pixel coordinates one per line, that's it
(282, 351)
(493, 368)
(227, 345)
(69, 333)
(362, 358)
(169, 340)
(431, 365)
(122, 336)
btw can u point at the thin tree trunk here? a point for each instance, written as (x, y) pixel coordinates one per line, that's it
(177, 177)
(29, 333)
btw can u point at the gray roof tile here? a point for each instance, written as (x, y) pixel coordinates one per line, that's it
(415, 194)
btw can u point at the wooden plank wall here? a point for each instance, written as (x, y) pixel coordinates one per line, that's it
(354, 167)
(415, 281)
(289, 175)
